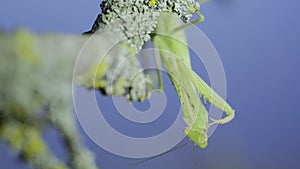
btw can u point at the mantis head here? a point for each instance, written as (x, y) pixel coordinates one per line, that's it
(199, 136)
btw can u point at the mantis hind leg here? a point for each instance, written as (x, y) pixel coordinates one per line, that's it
(200, 19)
(158, 69)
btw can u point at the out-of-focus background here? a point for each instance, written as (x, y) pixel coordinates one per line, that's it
(258, 42)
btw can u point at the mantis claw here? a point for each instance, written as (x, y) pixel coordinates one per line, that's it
(214, 121)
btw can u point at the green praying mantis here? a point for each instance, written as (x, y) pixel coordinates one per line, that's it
(170, 39)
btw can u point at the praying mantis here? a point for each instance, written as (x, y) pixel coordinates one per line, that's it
(170, 39)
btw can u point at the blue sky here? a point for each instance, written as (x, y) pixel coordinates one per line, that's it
(258, 42)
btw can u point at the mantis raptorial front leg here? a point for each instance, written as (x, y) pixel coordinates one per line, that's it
(211, 96)
(205, 90)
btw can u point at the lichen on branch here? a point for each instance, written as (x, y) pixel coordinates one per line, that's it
(139, 17)
(133, 21)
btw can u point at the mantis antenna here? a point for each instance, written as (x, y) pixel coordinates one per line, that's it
(195, 159)
(151, 158)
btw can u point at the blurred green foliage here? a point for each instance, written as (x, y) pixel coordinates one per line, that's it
(35, 93)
